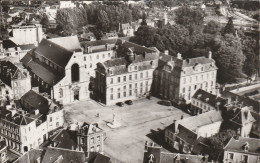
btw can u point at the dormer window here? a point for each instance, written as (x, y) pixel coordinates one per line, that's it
(202, 69)
(110, 71)
(136, 68)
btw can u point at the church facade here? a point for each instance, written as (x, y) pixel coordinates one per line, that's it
(56, 68)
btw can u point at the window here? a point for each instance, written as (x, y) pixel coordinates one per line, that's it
(196, 78)
(118, 95)
(130, 77)
(111, 97)
(190, 79)
(245, 159)
(111, 81)
(98, 138)
(124, 87)
(84, 58)
(118, 79)
(103, 55)
(141, 75)
(184, 80)
(147, 74)
(92, 140)
(130, 92)
(135, 76)
(136, 67)
(201, 77)
(98, 148)
(97, 56)
(183, 90)
(124, 78)
(82, 140)
(124, 94)
(92, 149)
(201, 68)
(57, 124)
(50, 119)
(111, 90)
(211, 83)
(75, 73)
(60, 93)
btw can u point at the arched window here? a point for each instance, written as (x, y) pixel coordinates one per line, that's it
(60, 93)
(75, 73)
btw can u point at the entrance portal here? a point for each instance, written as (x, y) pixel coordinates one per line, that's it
(76, 93)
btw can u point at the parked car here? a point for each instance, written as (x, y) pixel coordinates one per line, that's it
(165, 102)
(121, 104)
(129, 102)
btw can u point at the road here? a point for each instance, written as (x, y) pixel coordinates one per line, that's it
(125, 144)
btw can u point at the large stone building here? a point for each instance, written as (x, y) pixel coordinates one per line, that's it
(27, 125)
(127, 77)
(56, 67)
(16, 79)
(178, 79)
(26, 34)
(183, 134)
(244, 150)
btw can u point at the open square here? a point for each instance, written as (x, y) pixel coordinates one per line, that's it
(125, 143)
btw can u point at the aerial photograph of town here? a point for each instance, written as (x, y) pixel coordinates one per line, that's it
(129, 81)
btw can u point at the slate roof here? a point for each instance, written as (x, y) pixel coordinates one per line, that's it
(36, 101)
(65, 139)
(244, 117)
(70, 43)
(27, 46)
(68, 156)
(54, 52)
(186, 134)
(95, 157)
(209, 98)
(236, 145)
(31, 156)
(138, 49)
(192, 123)
(166, 157)
(17, 118)
(8, 44)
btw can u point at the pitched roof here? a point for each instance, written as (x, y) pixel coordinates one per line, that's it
(65, 139)
(27, 46)
(89, 128)
(54, 52)
(194, 122)
(8, 44)
(36, 101)
(138, 49)
(209, 98)
(186, 134)
(70, 43)
(68, 156)
(95, 157)
(30, 156)
(237, 145)
(243, 117)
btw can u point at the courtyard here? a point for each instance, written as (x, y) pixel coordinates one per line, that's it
(139, 122)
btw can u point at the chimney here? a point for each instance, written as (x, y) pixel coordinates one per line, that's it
(36, 112)
(166, 52)
(210, 55)
(179, 56)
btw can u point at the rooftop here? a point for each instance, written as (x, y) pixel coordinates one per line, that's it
(238, 145)
(70, 43)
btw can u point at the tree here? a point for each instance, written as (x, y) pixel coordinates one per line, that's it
(229, 58)
(217, 143)
(229, 28)
(212, 27)
(45, 21)
(103, 21)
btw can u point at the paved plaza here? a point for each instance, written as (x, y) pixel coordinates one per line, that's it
(125, 143)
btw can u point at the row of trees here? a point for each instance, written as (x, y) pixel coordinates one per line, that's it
(233, 56)
(106, 17)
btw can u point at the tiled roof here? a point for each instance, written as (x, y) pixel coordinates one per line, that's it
(244, 117)
(70, 43)
(192, 123)
(36, 101)
(209, 98)
(65, 139)
(54, 52)
(68, 156)
(237, 145)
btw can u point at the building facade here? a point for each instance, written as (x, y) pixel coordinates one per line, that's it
(56, 68)
(244, 150)
(178, 79)
(15, 77)
(3, 152)
(203, 101)
(127, 77)
(26, 34)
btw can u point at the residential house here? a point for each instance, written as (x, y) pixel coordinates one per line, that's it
(203, 101)
(127, 77)
(56, 68)
(178, 79)
(16, 78)
(241, 149)
(111, 35)
(183, 134)
(88, 37)
(156, 154)
(126, 29)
